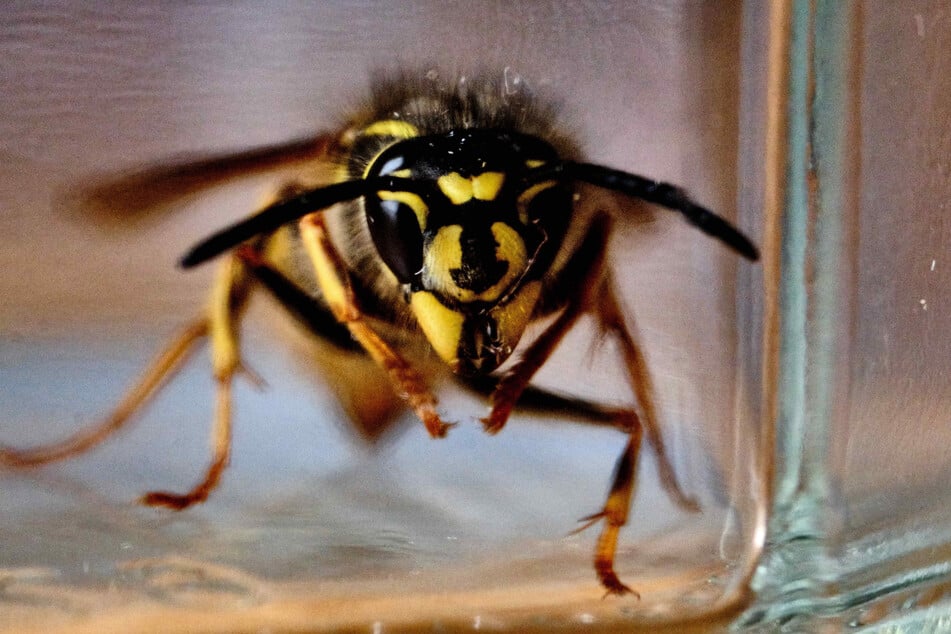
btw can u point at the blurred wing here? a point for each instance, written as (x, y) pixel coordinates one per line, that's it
(363, 390)
(155, 188)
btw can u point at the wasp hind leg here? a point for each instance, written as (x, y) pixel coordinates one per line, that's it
(614, 514)
(612, 320)
(156, 376)
(334, 281)
(618, 503)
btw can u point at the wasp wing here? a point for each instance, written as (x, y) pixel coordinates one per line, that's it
(158, 187)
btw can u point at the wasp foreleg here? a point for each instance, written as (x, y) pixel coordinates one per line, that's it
(511, 386)
(335, 285)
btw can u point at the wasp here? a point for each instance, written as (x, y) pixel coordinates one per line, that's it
(442, 221)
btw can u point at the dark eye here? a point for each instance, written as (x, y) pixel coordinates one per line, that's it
(397, 236)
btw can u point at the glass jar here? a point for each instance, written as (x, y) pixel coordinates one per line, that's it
(800, 398)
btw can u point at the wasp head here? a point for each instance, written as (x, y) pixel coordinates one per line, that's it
(469, 237)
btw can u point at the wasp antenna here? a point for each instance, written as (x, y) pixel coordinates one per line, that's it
(280, 213)
(665, 195)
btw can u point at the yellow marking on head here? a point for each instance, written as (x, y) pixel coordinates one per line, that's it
(392, 127)
(513, 316)
(459, 189)
(511, 249)
(455, 187)
(413, 201)
(441, 325)
(403, 173)
(486, 186)
(444, 254)
(526, 197)
(533, 163)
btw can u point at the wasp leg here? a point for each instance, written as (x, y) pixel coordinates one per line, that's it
(314, 316)
(543, 402)
(612, 319)
(588, 289)
(334, 282)
(158, 373)
(511, 386)
(615, 512)
(618, 503)
(589, 261)
(228, 298)
(372, 405)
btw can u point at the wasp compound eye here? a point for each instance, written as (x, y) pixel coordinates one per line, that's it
(395, 229)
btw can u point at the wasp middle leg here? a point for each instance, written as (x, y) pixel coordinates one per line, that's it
(228, 299)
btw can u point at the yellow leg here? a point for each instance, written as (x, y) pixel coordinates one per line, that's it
(221, 448)
(593, 291)
(511, 386)
(228, 298)
(158, 373)
(335, 285)
(614, 514)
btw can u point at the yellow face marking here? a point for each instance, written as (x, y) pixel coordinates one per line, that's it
(513, 316)
(456, 188)
(445, 254)
(533, 163)
(391, 127)
(526, 197)
(486, 186)
(403, 173)
(441, 325)
(413, 201)
(511, 249)
(459, 189)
